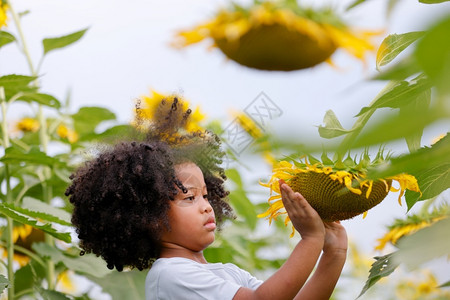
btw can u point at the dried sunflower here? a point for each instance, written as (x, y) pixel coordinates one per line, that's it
(278, 35)
(336, 190)
(153, 106)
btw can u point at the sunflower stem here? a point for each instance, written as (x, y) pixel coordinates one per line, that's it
(43, 139)
(10, 223)
(350, 138)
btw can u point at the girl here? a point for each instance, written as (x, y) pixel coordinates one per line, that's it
(157, 204)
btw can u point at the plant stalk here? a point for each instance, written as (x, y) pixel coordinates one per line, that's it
(9, 221)
(43, 138)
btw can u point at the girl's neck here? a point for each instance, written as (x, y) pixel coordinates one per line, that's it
(168, 251)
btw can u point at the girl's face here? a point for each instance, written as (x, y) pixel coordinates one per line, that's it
(191, 217)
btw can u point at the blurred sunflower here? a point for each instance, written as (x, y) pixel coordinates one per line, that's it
(411, 224)
(278, 35)
(426, 287)
(249, 126)
(28, 125)
(3, 16)
(66, 133)
(153, 106)
(24, 236)
(336, 190)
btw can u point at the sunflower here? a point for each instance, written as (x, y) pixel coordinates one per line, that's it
(24, 236)
(336, 190)
(66, 133)
(151, 106)
(3, 16)
(278, 35)
(413, 223)
(28, 125)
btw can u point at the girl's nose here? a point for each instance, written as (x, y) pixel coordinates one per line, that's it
(206, 206)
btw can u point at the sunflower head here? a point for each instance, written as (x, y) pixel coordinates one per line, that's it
(337, 190)
(277, 35)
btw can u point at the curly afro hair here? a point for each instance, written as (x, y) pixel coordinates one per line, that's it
(121, 197)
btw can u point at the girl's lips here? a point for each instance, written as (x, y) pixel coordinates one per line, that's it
(210, 223)
(210, 226)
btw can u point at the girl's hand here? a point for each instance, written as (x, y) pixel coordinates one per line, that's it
(304, 218)
(335, 238)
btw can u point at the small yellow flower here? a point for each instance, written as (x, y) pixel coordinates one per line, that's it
(65, 282)
(3, 15)
(28, 125)
(152, 104)
(66, 133)
(334, 194)
(278, 36)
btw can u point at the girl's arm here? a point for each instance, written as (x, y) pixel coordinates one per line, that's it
(290, 278)
(322, 283)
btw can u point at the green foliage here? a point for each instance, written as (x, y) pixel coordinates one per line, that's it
(4, 282)
(63, 41)
(86, 264)
(123, 285)
(424, 245)
(333, 127)
(18, 214)
(6, 38)
(393, 45)
(382, 267)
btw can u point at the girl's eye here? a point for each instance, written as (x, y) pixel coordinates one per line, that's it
(190, 198)
(205, 196)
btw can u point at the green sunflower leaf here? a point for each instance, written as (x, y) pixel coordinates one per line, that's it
(63, 41)
(14, 84)
(47, 212)
(416, 162)
(87, 119)
(6, 38)
(424, 245)
(44, 99)
(432, 181)
(52, 295)
(33, 156)
(88, 264)
(382, 267)
(123, 285)
(432, 1)
(401, 94)
(420, 104)
(403, 69)
(333, 127)
(393, 45)
(19, 215)
(433, 55)
(4, 283)
(447, 284)
(239, 200)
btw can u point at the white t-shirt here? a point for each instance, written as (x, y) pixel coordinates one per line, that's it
(180, 278)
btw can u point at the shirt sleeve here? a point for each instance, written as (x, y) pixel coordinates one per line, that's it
(189, 281)
(247, 280)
